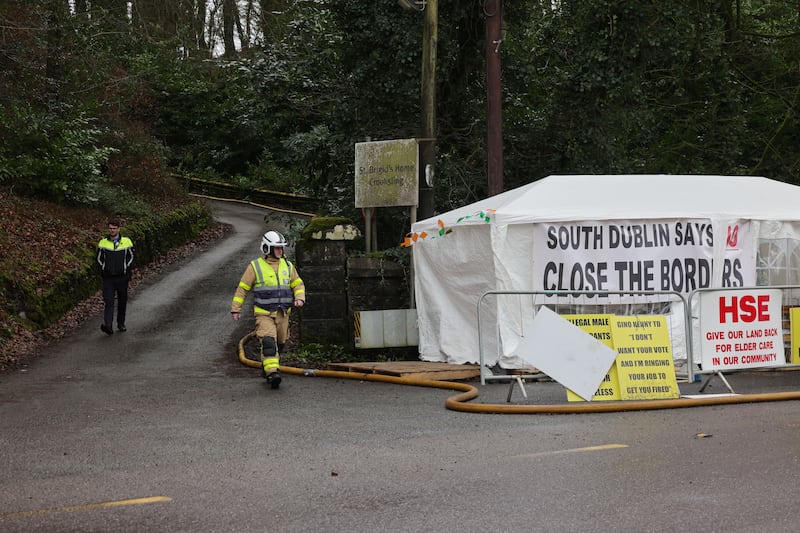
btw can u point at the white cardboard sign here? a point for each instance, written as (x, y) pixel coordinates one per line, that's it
(566, 353)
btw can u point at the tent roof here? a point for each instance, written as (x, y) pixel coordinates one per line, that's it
(638, 196)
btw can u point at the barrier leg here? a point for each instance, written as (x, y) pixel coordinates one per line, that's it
(721, 377)
(516, 380)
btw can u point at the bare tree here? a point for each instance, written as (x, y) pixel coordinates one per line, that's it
(58, 11)
(81, 8)
(111, 15)
(271, 12)
(200, 26)
(230, 14)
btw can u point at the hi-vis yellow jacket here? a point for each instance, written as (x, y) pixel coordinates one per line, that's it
(115, 258)
(275, 284)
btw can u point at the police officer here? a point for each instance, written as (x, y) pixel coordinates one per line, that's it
(276, 287)
(115, 257)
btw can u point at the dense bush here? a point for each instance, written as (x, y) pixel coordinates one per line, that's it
(52, 153)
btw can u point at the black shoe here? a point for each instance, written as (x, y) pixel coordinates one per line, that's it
(106, 329)
(121, 327)
(274, 379)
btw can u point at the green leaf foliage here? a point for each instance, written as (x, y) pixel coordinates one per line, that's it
(594, 86)
(52, 154)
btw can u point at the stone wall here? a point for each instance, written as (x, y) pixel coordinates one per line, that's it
(322, 264)
(338, 285)
(375, 284)
(41, 306)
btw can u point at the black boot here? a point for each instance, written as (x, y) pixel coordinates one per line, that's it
(274, 379)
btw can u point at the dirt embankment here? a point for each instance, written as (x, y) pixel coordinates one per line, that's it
(22, 344)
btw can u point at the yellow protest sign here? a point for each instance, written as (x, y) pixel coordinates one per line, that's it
(644, 363)
(599, 327)
(794, 328)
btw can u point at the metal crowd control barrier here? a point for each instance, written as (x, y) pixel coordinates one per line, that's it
(790, 299)
(586, 302)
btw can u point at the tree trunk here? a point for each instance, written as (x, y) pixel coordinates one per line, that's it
(112, 15)
(81, 9)
(58, 10)
(229, 16)
(200, 27)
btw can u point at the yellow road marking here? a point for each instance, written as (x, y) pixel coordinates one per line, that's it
(573, 450)
(116, 503)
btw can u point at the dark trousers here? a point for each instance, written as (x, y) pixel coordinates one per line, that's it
(115, 286)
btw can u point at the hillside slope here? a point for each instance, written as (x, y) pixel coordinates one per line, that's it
(39, 241)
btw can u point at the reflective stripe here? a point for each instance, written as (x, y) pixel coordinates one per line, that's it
(270, 363)
(108, 244)
(271, 290)
(245, 286)
(115, 259)
(238, 299)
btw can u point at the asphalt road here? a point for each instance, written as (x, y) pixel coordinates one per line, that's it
(162, 429)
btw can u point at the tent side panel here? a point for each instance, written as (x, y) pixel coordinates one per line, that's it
(451, 273)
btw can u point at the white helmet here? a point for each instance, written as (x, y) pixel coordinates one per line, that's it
(272, 239)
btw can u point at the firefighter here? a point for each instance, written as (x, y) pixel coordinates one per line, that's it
(277, 287)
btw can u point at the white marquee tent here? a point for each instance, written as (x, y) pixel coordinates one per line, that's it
(615, 232)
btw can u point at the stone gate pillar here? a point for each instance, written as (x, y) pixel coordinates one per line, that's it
(322, 260)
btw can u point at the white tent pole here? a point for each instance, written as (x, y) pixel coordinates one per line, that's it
(412, 302)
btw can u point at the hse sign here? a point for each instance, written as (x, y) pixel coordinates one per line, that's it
(386, 173)
(741, 329)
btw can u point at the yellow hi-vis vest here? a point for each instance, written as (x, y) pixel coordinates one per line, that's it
(272, 291)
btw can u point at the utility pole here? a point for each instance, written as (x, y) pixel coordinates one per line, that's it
(427, 142)
(493, 10)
